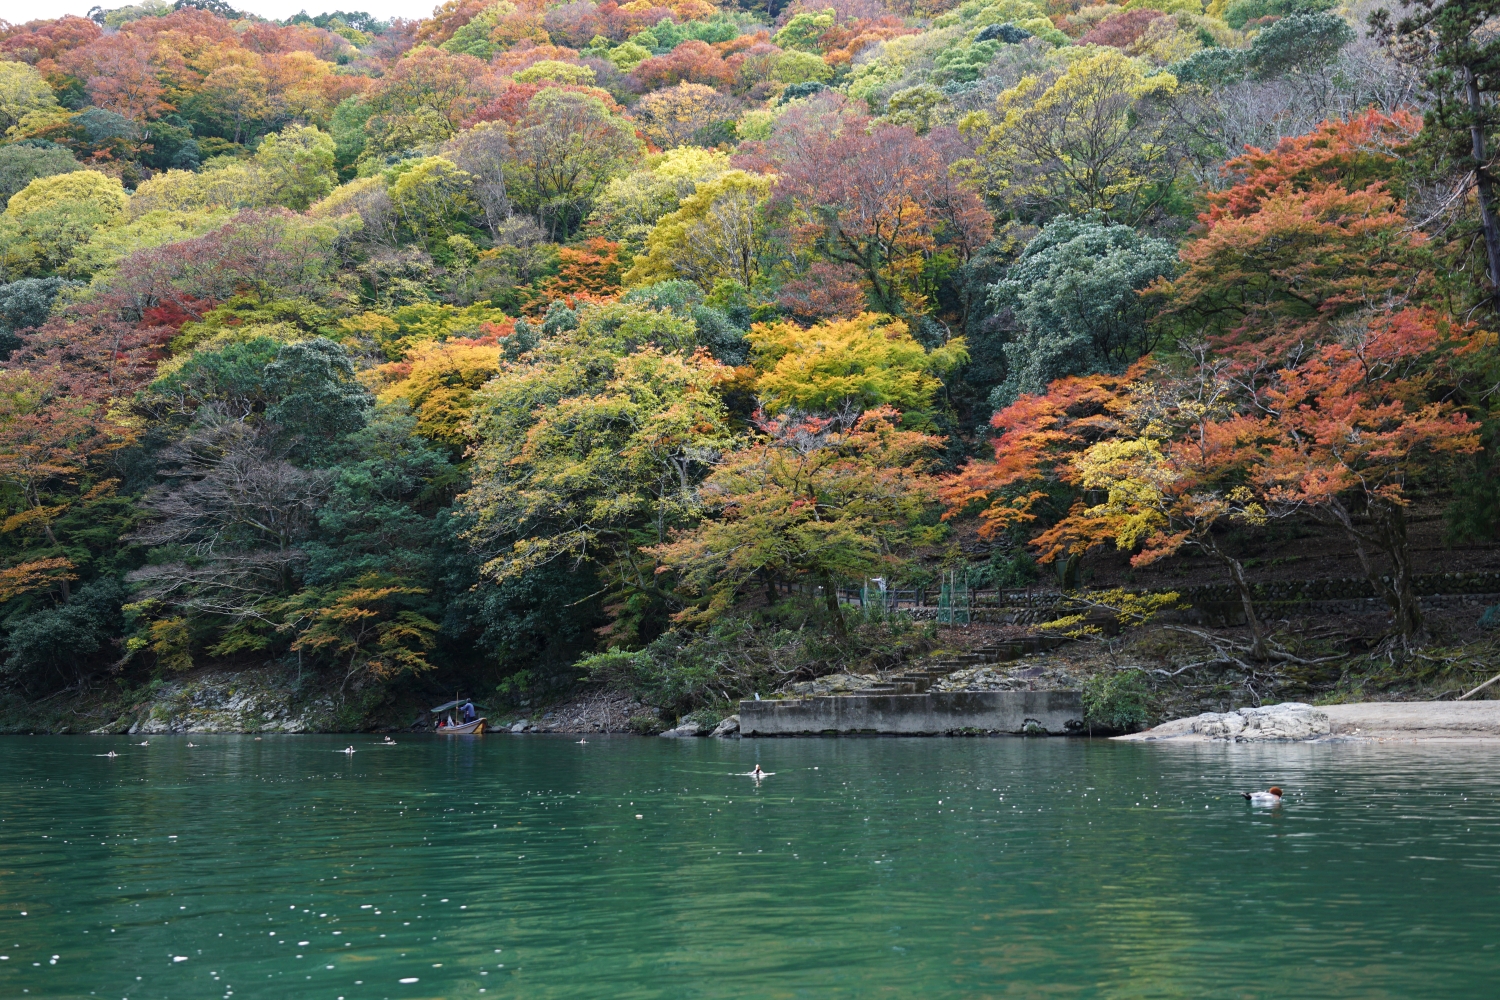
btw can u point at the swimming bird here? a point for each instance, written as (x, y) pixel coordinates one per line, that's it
(1269, 797)
(348, 749)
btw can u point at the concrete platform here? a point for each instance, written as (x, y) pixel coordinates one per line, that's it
(934, 713)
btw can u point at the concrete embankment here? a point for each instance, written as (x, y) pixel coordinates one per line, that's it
(1366, 722)
(929, 714)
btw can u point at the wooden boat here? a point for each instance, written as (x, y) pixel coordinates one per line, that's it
(448, 727)
(475, 728)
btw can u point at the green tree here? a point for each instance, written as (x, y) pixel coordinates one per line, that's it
(804, 29)
(473, 38)
(716, 234)
(22, 163)
(591, 447)
(1076, 293)
(1097, 136)
(630, 205)
(434, 197)
(567, 147)
(46, 221)
(800, 67)
(296, 166)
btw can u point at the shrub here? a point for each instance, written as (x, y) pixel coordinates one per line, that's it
(1118, 702)
(63, 642)
(644, 725)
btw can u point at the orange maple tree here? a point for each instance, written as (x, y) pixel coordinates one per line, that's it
(1352, 428)
(1036, 440)
(814, 498)
(1309, 234)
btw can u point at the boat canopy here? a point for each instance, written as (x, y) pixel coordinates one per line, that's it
(454, 704)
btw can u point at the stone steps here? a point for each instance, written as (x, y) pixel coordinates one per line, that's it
(919, 678)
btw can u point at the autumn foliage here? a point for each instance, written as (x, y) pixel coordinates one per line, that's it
(483, 342)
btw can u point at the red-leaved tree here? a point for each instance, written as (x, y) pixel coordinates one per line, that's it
(1350, 430)
(876, 197)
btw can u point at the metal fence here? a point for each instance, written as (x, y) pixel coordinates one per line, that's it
(952, 599)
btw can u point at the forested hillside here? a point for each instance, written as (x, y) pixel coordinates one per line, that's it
(533, 342)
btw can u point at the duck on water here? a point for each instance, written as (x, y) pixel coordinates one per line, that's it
(1270, 797)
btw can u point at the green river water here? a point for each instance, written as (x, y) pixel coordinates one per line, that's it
(535, 867)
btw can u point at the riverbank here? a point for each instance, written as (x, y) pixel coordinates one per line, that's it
(1364, 722)
(264, 700)
(1175, 672)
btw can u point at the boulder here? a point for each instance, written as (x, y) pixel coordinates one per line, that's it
(729, 727)
(520, 727)
(1288, 722)
(686, 727)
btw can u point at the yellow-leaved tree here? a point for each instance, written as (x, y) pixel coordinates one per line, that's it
(1097, 136)
(809, 499)
(631, 205)
(438, 380)
(686, 113)
(22, 91)
(716, 234)
(50, 218)
(868, 361)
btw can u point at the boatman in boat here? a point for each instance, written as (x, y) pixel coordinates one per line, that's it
(468, 710)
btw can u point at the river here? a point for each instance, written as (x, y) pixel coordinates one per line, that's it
(536, 867)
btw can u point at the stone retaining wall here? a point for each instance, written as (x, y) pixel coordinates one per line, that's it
(934, 713)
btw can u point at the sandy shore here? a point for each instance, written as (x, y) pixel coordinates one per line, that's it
(1376, 721)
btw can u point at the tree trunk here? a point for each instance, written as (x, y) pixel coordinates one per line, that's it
(1403, 588)
(1067, 571)
(1482, 183)
(1400, 593)
(831, 599)
(1247, 597)
(62, 584)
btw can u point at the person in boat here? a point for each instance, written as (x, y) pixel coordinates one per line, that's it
(469, 713)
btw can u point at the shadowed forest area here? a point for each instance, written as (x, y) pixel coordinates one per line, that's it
(541, 347)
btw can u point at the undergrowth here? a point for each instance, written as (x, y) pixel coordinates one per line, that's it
(756, 652)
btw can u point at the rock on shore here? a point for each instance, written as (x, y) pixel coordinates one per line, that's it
(225, 701)
(1406, 721)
